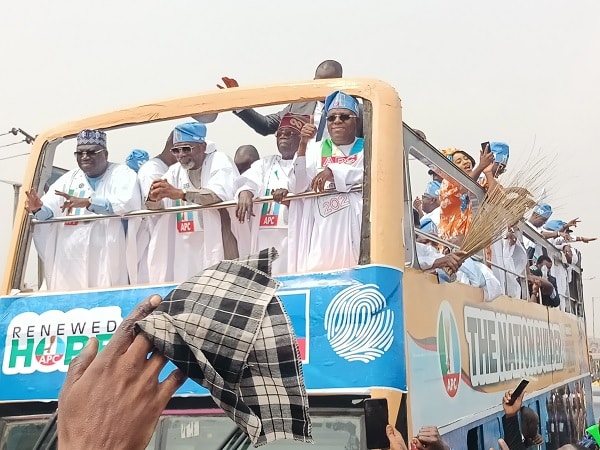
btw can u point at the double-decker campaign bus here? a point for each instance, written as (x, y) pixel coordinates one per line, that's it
(438, 353)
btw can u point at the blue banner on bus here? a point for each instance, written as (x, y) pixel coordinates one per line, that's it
(348, 324)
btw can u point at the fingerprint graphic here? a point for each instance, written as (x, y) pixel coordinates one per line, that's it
(359, 326)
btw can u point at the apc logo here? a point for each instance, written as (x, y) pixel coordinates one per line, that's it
(359, 324)
(50, 351)
(448, 348)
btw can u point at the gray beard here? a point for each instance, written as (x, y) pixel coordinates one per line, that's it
(188, 165)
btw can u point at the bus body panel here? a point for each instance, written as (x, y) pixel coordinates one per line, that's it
(348, 325)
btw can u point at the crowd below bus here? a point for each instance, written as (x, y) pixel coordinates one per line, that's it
(320, 150)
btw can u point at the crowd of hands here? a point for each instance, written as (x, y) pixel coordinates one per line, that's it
(428, 437)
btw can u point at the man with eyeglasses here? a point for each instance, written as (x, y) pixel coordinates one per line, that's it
(267, 176)
(202, 175)
(327, 236)
(80, 255)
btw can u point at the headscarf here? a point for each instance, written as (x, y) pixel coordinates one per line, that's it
(136, 159)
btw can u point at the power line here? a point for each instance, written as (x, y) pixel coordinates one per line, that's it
(14, 156)
(13, 143)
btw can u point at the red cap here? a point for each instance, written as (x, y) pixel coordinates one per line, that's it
(295, 121)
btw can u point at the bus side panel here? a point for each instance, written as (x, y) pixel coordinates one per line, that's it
(465, 353)
(348, 325)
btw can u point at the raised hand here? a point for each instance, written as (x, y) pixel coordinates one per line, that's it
(309, 130)
(229, 83)
(33, 202)
(114, 399)
(396, 439)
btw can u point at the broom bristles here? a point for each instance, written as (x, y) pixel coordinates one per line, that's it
(504, 207)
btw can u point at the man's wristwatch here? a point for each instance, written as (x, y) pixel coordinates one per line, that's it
(184, 195)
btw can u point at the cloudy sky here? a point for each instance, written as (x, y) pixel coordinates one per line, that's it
(466, 71)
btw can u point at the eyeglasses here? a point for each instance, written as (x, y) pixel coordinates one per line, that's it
(342, 117)
(286, 132)
(184, 150)
(82, 153)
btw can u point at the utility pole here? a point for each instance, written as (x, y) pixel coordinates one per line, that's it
(17, 188)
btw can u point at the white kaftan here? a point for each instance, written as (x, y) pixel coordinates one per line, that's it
(269, 225)
(512, 258)
(146, 231)
(325, 234)
(192, 240)
(79, 255)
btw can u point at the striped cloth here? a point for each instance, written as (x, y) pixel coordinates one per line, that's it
(226, 329)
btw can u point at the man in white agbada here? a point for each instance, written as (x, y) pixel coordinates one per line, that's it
(198, 239)
(145, 254)
(267, 176)
(76, 254)
(327, 235)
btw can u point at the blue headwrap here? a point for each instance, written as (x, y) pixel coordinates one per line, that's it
(189, 132)
(92, 137)
(544, 210)
(433, 188)
(340, 99)
(500, 151)
(136, 159)
(554, 225)
(428, 226)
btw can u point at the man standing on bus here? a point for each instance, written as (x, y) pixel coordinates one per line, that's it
(327, 236)
(202, 176)
(269, 221)
(79, 255)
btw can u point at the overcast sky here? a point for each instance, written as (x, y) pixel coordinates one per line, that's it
(467, 71)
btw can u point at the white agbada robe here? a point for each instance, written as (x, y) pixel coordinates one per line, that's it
(145, 231)
(560, 272)
(79, 255)
(192, 240)
(324, 232)
(434, 216)
(512, 258)
(471, 272)
(269, 225)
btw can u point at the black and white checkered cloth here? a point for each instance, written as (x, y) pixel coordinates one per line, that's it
(226, 329)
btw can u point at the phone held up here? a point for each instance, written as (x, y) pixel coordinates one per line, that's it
(376, 421)
(485, 145)
(518, 391)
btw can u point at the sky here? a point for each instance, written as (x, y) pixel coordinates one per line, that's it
(467, 72)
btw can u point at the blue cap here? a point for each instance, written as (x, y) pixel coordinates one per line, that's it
(428, 226)
(554, 225)
(340, 99)
(433, 188)
(544, 210)
(92, 137)
(136, 159)
(500, 151)
(189, 132)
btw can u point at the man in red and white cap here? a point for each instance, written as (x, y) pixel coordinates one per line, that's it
(269, 221)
